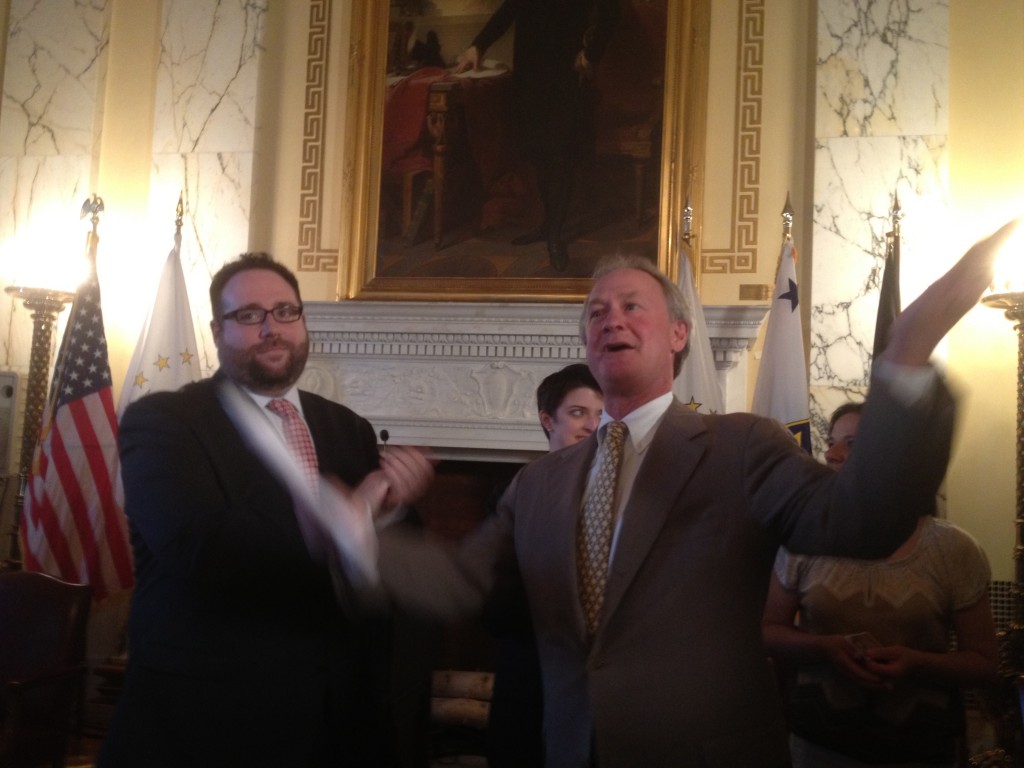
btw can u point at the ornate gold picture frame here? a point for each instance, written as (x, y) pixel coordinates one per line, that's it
(362, 231)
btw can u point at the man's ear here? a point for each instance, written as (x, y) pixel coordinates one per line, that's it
(680, 335)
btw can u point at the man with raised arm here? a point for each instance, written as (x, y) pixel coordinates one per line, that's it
(646, 584)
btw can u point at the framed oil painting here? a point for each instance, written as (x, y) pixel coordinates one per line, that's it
(453, 188)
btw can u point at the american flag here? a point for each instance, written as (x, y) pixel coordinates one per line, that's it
(73, 526)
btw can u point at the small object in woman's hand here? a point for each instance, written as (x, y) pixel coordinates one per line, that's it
(863, 641)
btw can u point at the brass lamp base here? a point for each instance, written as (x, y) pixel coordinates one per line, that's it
(45, 305)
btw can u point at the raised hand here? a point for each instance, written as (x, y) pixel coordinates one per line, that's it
(921, 326)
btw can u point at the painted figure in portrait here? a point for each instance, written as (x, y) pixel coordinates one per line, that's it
(522, 140)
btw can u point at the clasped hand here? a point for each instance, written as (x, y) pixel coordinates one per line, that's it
(874, 668)
(405, 474)
(348, 516)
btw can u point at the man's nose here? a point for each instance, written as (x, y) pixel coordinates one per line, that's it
(269, 325)
(613, 317)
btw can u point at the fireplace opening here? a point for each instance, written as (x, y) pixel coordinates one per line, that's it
(455, 505)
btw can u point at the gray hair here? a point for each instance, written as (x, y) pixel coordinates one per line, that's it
(675, 302)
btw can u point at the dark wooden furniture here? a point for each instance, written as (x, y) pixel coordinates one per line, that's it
(429, 153)
(42, 666)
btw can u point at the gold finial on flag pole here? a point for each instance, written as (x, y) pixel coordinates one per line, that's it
(892, 237)
(787, 220)
(896, 213)
(687, 220)
(93, 206)
(179, 212)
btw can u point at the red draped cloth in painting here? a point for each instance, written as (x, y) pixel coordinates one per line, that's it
(407, 145)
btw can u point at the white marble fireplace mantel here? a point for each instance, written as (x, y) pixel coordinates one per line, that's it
(462, 377)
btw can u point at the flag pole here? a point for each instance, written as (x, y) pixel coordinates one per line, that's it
(889, 301)
(787, 220)
(93, 207)
(687, 220)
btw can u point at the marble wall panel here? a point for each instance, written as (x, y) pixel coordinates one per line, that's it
(207, 76)
(883, 67)
(52, 77)
(204, 134)
(881, 131)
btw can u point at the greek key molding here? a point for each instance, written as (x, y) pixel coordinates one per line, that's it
(741, 254)
(311, 256)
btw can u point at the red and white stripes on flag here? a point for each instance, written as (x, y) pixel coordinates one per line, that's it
(72, 525)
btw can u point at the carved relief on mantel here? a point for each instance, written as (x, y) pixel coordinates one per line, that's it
(462, 377)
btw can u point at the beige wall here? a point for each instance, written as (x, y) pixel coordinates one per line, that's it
(787, 148)
(123, 170)
(986, 178)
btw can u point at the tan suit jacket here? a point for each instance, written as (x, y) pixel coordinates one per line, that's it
(676, 674)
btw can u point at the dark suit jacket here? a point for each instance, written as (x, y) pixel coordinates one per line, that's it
(238, 652)
(676, 674)
(548, 36)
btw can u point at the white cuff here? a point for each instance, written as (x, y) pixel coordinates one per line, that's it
(353, 534)
(908, 383)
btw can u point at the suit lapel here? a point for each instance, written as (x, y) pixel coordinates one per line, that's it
(554, 539)
(670, 462)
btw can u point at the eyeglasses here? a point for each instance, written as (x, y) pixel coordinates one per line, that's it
(286, 313)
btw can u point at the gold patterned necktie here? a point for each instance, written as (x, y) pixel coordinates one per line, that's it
(594, 537)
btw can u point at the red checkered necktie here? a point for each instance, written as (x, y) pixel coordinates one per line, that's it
(300, 443)
(594, 536)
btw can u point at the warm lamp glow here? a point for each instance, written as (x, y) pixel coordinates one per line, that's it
(1009, 267)
(46, 254)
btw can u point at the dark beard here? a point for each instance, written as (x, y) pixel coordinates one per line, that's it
(243, 367)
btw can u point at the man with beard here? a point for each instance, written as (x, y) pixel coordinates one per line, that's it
(238, 651)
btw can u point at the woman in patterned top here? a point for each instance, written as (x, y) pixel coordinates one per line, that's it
(877, 680)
